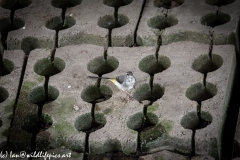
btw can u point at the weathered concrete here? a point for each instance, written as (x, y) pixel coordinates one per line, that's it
(183, 43)
(35, 17)
(189, 25)
(177, 79)
(87, 30)
(166, 155)
(10, 82)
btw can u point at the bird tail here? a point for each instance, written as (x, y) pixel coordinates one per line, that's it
(98, 77)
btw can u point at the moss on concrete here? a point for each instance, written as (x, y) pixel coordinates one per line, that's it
(40, 79)
(100, 119)
(112, 145)
(151, 135)
(83, 122)
(135, 121)
(193, 122)
(164, 140)
(9, 108)
(168, 125)
(6, 67)
(65, 107)
(162, 22)
(32, 124)
(204, 64)
(3, 94)
(56, 23)
(143, 92)
(152, 108)
(101, 66)
(107, 111)
(28, 44)
(20, 140)
(185, 36)
(5, 132)
(95, 94)
(7, 26)
(64, 127)
(151, 65)
(28, 85)
(44, 67)
(108, 21)
(152, 118)
(37, 95)
(214, 19)
(198, 92)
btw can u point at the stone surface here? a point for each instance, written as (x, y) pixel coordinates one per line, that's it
(35, 17)
(87, 30)
(10, 82)
(166, 155)
(176, 80)
(120, 115)
(189, 25)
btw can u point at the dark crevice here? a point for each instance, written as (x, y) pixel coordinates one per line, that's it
(1, 51)
(138, 22)
(39, 112)
(217, 12)
(151, 82)
(210, 45)
(56, 39)
(52, 55)
(215, 19)
(201, 122)
(63, 16)
(41, 124)
(93, 114)
(112, 21)
(105, 54)
(144, 126)
(193, 152)
(219, 3)
(116, 15)
(12, 13)
(159, 44)
(109, 37)
(98, 83)
(27, 49)
(199, 113)
(4, 39)
(204, 79)
(45, 86)
(17, 95)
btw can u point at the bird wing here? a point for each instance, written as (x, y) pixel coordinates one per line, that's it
(121, 78)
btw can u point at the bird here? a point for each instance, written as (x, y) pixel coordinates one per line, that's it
(123, 82)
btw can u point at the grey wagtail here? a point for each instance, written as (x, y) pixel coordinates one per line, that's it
(123, 82)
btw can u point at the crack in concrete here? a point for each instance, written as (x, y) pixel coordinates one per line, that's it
(46, 82)
(138, 22)
(199, 103)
